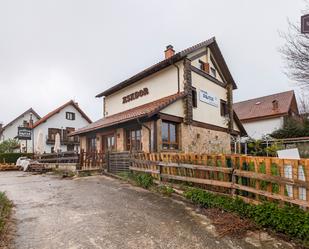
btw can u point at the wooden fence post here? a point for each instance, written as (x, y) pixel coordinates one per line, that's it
(160, 172)
(233, 191)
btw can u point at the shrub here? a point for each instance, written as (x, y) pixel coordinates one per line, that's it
(143, 180)
(165, 190)
(289, 220)
(8, 146)
(12, 157)
(5, 210)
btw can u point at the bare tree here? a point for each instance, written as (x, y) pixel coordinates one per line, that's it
(296, 55)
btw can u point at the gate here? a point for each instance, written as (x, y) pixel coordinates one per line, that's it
(118, 162)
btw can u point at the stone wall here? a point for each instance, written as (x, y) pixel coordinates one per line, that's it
(201, 140)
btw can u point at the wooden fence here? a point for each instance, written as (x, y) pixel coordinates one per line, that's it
(253, 179)
(61, 157)
(92, 160)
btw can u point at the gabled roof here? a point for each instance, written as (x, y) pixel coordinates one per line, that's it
(261, 108)
(30, 110)
(211, 43)
(52, 113)
(146, 110)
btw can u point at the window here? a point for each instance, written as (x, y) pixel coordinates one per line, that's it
(194, 97)
(134, 140)
(52, 133)
(213, 72)
(169, 136)
(25, 123)
(223, 108)
(70, 115)
(110, 143)
(202, 65)
(91, 144)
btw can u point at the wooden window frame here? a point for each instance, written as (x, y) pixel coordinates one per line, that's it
(169, 143)
(128, 137)
(194, 97)
(52, 133)
(70, 116)
(223, 108)
(89, 141)
(213, 72)
(105, 141)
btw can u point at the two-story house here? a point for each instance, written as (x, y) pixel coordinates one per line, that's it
(183, 103)
(262, 116)
(10, 130)
(63, 120)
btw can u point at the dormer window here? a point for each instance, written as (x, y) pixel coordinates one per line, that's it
(213, 72)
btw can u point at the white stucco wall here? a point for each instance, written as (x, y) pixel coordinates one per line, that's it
(175, 109)
(260, 128)
(11, 131)
(161, 84)
(58, 121)
(205, 112)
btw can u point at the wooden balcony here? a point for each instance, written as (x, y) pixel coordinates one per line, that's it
(63, 141)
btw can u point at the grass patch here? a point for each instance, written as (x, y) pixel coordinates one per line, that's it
(5, 211)
(140, 179)
(288, 220)
(165, 190)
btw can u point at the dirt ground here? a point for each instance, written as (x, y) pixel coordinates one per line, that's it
(101, 212)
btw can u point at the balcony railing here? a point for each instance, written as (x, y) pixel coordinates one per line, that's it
(63, 141)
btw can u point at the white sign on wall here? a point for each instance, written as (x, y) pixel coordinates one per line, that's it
(209, 98)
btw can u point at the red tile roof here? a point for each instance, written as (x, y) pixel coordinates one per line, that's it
(146, 110)
(263, 107)
(52, 113)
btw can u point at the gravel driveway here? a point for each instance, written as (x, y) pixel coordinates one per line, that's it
(101, 212)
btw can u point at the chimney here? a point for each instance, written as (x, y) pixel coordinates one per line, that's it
(31, 120)
(275, 105)
(169, 52)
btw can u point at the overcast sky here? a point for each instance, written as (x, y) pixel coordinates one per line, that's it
(52, 51)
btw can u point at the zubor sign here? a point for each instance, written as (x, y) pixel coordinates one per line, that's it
(24, 133)
(208, 98)
(305, 24)
(135, 95)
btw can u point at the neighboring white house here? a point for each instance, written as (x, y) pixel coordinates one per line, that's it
(26, 119)
(261, 116)
(63, 120)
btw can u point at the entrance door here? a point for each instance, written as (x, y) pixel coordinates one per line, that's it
(108, 143)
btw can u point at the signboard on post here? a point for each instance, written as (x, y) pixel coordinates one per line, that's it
(305, 24)
(209, 98)
(24, 133)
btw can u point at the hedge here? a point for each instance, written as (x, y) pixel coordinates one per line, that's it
(289, 220)
(12, 157)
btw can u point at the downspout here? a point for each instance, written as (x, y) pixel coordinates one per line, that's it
(178, 75)
(149, 132)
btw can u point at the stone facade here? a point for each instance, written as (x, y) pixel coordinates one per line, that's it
(201, 140)
(187, 79)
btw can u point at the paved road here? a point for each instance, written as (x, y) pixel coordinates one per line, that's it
(100, 212)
